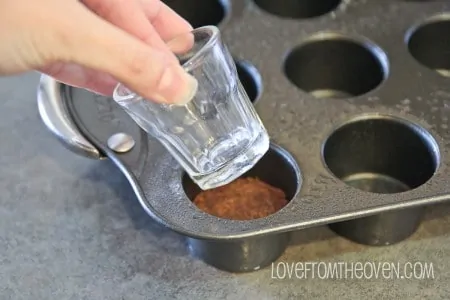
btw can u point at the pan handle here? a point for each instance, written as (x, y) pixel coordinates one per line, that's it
(57, 119)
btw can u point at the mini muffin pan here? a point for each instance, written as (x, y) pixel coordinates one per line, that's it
(355, 95)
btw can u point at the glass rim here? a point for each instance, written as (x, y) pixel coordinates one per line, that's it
(214, 33)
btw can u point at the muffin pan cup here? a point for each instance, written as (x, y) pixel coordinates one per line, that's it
(356, 101)
(241, 255)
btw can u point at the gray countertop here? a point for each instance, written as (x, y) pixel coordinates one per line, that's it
(71, 228)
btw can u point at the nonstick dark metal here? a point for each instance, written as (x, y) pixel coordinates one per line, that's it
(355, 96)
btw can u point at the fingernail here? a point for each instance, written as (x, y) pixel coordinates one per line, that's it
(177, 86)
(182, 44)
(189, 89)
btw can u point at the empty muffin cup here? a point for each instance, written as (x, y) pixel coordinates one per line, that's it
(382, 155)
(334, 66)
(427, 45)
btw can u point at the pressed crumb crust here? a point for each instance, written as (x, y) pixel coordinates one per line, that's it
(243, 199)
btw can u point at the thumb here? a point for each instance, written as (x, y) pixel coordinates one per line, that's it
(150, 72)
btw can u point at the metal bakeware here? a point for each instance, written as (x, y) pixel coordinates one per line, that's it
(355, 96)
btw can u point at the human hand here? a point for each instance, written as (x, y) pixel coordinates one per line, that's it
(93, 44)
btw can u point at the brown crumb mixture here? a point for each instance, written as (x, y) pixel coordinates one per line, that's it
(242, 199)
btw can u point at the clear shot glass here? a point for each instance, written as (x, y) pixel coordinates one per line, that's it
(216, 137)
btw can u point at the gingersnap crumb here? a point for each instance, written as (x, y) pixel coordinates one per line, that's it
(243, 199)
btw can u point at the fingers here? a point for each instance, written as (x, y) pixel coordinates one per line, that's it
(149, 20)
(146, 70)
(166, 22)
(134, 17)
(172, 28)
(81, 77)
(130, 17)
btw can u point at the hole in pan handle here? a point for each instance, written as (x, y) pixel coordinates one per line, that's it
(56, 118)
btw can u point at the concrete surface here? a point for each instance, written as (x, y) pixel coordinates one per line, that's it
(71, 228)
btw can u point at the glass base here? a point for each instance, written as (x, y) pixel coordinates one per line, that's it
(236, 167)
